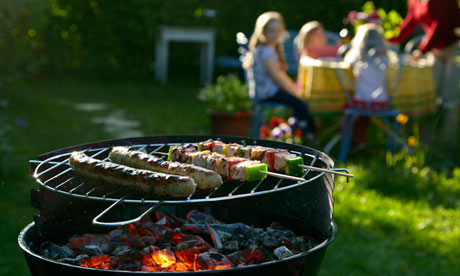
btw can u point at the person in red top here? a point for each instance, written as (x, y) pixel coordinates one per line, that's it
(440, 20)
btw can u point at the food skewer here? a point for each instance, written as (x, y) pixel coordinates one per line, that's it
(288, 176)
(259, 153)
(276, 159)
(232, 167)
(254, 152)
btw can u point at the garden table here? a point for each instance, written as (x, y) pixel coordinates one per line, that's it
(414, 95)
(204, 36)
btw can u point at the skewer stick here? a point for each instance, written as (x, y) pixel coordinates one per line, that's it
(284, 176)
(289, 177)
(160, 153)
(326, 170)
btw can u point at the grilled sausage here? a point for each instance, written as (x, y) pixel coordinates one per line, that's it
(204, 178)
(144, 180)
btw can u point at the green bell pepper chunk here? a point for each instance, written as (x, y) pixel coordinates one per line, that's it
(252, 172)
(170, 152)
(292, 166)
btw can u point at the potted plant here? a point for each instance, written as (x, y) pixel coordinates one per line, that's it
(229, 106)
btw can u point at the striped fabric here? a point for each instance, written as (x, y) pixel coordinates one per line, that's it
(414, 95)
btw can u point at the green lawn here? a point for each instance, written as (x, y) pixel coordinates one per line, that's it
(393, 220)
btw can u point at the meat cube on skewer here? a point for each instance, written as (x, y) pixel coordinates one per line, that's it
(248, 171)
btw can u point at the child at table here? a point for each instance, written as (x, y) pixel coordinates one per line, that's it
(370, 71)
(312, 42)
(266, 70)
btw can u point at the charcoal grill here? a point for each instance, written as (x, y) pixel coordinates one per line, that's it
(65, 198)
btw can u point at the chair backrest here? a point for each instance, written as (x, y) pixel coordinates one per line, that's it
(392, 83)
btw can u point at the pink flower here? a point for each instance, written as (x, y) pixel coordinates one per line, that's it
(352, 16)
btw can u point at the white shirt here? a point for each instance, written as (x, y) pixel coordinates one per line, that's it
(370, 77)
(264, 85)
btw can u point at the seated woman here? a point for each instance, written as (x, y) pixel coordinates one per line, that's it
(312, 42)
(266, 69)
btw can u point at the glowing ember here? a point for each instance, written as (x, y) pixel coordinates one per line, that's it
(102, 262)
(173, 244)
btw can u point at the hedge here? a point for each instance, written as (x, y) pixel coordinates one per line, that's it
(105, 38)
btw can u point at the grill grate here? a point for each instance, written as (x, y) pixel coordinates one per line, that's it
(56, 175)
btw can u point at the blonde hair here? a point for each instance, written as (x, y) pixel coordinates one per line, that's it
(305, 33)
(261, 23)
(368, 36)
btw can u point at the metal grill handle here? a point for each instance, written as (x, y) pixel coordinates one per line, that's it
(124, 222)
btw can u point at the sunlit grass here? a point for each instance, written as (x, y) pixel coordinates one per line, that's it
(386, 227)
(398, 216)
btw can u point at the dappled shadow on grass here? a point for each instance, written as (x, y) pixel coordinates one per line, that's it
(407, 177)
(360, 251)
(385, 235)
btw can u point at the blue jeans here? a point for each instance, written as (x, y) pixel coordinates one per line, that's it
(301, 110)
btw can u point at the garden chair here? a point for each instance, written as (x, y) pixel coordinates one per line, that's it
(350, 112)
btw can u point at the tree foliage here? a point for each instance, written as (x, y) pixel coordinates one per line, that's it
(115, 38)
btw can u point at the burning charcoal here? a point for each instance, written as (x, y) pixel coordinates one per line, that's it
(269, 242)
(152, 229)
(301, 244)
(282, 252)
(255, 257)
(238, 257)
(224, 236)
(81, 257)
(166, 245)
(276, 225)
(115, 236)
(213, 250)
(233, 228)
(122, 250)
(92, 250)
(230, 246)
(147, 240)
(196, 229)
(101, 262)
(274, 232)
(216, 241)
(187, 251)
(53, 251)
(162, 258)
(285, 241)
(101, 241)
(127, 265)
(168, 220)
(195, 216)
(191, 245)
(252, 232)
(69, 261)
(162, 221)
(209, 261)
(251, 246)
(289, 234)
